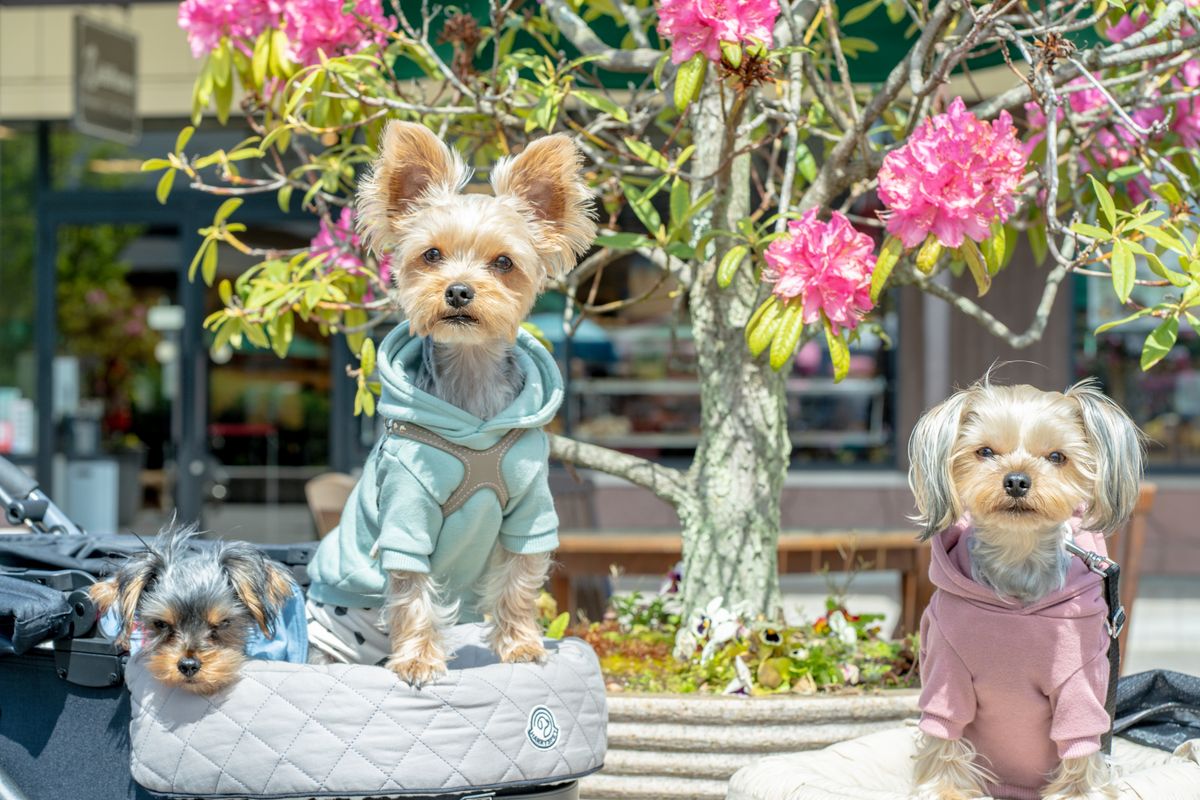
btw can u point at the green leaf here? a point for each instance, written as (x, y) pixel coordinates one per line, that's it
(164, 186)
(1091, 231)
(1106, 202)
(680, 201)
(730, 263)
(183, 138)
(1124, 270)
(979, 271)
(623, 241)
(228, 207)
(1167, 191)
(1123, 174)
(354, 318)
(196, 259)
(806, 163)
(1159, 342)
(647, 153)
(643, 208)
(1110, 325)
(889, 256)
(993, 248)
(1164, 239)
(928, 255)
(558, 626)
(366, 356)
(283, 327)
(859, 13)
(688, 80)
(787, 338)
(260, 60)
(732, 53)
(602, 103)
(763, 324)
(284, 197)
(208, 268)
(225, 290)
(839, 351)
(152, 164)
(659, 66)
(1038, 243)
(224, 99)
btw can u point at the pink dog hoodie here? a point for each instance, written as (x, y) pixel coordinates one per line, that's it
(1025, 685)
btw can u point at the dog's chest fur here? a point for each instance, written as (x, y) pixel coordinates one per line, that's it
(482, 380)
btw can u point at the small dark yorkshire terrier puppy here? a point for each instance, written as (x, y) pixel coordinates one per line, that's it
(194, 608)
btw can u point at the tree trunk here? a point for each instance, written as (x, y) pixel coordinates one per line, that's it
(731, 514)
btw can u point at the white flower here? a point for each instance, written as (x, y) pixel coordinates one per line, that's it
(843, 629)
(850, 673)
(743, 680)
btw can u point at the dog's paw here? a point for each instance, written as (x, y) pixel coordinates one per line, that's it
(417, 672)
(519, 648)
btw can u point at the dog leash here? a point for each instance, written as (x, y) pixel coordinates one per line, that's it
(1110, 572)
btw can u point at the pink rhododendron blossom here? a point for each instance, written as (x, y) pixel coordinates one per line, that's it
(1186, 121)
(699, 26)
(207, 21)
(952, 178)
(312, 25)
(339, 243)
(828, 264)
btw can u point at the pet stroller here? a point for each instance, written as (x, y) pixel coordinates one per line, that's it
(80, 720)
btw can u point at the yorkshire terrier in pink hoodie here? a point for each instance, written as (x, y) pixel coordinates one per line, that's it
(1014, 645)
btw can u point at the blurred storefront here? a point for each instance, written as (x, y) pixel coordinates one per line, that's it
(109, 390)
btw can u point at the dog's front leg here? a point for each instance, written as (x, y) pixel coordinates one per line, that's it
(510, 596)
(415, 620)
(1084, 778)
(946, 769)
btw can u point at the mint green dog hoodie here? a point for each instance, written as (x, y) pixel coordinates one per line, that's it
(407, 512)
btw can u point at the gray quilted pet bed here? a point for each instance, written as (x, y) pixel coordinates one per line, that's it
(296, 730)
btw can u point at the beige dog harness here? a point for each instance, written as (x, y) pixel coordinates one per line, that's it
(481, 468)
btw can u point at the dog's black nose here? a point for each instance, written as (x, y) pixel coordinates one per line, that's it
(459, 295)
(1016, 484)
(189, 666)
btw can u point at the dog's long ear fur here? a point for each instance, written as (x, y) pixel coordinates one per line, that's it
(262, 585)
(125, 589)
(412, 166)
(929, 451)
(546, 178)
(1120, 456)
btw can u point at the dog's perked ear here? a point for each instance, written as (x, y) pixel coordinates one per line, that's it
(929, 456)
(547, 180)
(124, 590)
(1120, 457)
(262, 585)
(413, 164)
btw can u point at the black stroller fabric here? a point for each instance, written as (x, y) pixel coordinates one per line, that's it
(30, 614)
(1158, 708)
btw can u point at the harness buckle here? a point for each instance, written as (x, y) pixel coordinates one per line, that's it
(1117, 624)
(393, 426)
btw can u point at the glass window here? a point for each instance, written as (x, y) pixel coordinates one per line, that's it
(18, 375)
(1165, 401)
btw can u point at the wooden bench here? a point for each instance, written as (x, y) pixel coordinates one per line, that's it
(655, 552)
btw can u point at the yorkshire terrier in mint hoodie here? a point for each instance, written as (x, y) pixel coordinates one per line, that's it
(452, 519)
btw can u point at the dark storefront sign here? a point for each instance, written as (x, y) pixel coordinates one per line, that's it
(106, 82)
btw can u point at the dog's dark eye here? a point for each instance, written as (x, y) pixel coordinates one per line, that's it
(502, 263)
(1057, 458)
(985, 452)
(432, 255)
(160, 626)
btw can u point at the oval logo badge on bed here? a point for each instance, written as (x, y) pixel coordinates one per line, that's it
(543, 728)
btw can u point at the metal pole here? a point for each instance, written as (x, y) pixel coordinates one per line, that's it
(46, 314)
(192, 401)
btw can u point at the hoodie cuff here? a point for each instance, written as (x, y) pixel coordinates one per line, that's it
(1078, 748)
(530, 545)
(940, 727)
(395, 561)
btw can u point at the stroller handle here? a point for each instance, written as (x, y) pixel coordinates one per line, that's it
(15, 483)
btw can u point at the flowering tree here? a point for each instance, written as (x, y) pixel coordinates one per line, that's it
(748, 153)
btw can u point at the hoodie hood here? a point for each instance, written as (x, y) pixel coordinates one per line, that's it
(400, 362)
(950, 571)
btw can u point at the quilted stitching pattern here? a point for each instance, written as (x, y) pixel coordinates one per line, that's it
(358, 731)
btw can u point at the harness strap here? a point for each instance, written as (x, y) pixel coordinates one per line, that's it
(482, 469)
(1110, 571)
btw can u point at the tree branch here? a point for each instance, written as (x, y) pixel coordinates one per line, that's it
(667, 483)
(580, 34)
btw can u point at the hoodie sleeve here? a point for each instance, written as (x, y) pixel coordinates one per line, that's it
(1078, 716)
(410, 519)
(947, 691)
(530, 523)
